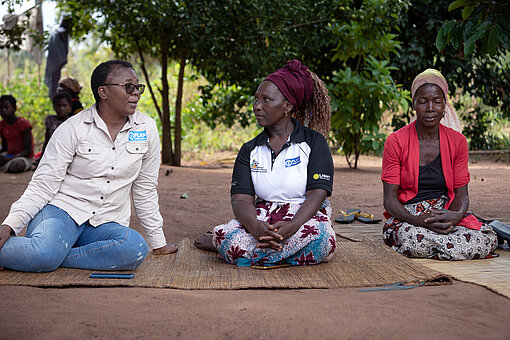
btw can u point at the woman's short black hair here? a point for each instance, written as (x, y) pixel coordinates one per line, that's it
(102, 71)
(62, 95)
(9, 98)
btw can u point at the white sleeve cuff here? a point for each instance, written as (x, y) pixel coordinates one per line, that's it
(15, 223)
(156, 239)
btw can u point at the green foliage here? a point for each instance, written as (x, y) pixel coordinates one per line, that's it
(359, 100)
(484, 23)
(484, 127)
(503, 139)
(252, 39)
(202, 139)
(363, 88)
(13, 38)
(214, 106)
(418, 29)
(477, 129)
(371, 23)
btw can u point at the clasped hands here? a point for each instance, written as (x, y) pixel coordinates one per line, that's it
(271, 236)
(441, 221)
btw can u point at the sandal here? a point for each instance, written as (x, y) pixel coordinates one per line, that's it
(501, 229)
(367, 218)
(347, 216)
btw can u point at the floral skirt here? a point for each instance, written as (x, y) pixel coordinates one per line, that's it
(460, 244)
(313, 243)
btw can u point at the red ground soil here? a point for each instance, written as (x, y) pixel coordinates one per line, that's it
(456, 311)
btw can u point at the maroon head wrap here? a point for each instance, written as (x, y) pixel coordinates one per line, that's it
(295, 83)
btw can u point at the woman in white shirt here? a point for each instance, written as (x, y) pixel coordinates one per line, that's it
(282, 178)
(77, 204)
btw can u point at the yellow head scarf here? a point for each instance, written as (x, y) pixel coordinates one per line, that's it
(432, 76)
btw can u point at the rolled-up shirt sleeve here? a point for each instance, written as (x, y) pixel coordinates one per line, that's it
(46, 180)
(145, 195)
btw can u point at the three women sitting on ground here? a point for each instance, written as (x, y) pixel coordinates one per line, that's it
(280, 183)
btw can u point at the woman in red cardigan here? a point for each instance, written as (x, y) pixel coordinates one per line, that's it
(425, 178)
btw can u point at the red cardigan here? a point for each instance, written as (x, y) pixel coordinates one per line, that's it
(401, 164)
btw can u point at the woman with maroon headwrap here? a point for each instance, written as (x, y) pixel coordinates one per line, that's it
(425, 180)
(282, 178)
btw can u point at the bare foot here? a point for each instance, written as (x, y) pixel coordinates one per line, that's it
(204, 242)
(167, 249)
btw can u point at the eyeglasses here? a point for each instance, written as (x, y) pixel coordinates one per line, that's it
(130, 87)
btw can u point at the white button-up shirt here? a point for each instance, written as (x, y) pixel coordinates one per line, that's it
(91, 177)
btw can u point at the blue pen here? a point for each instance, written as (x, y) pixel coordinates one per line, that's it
(112, 275)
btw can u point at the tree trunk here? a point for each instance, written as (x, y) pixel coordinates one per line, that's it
(167, 155)
(348, 161)
(178, 109)
(357, 151)
(149, 85)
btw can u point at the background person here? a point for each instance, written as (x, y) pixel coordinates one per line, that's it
(17, 141)
(425, 179)
(281, 178)
(77, 205)
(62, 107)
(72, 87)
(58, 48)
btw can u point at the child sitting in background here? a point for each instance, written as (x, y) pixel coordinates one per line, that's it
(17, 141)
(72, 87)
(62, 105)
(63, 108)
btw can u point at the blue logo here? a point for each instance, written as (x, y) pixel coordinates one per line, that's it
(292, 161)
(137, 135)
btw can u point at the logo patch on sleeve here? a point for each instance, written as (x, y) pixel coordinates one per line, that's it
(292, 161)
(137, 136)
(322, 176)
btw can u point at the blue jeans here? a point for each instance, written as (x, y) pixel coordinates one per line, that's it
(53, 239)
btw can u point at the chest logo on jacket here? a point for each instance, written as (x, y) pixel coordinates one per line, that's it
(292, 161)
(255, 167)
(137, 135)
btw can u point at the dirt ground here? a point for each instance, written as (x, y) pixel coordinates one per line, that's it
(457, 311)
